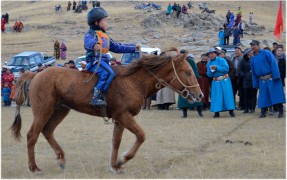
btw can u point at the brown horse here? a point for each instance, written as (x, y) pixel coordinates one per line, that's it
(55, 91)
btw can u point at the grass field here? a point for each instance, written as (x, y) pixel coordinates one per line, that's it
(174, 147)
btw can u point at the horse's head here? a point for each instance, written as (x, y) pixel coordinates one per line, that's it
(182, 78)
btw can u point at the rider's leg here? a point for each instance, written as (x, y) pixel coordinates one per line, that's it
(110, 75)
(97, 99)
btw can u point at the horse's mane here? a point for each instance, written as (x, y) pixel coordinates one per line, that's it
(149, 62)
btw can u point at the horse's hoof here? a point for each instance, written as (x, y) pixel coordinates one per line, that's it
(61, 163)
(62, 166)
(35, 170)
(118, 170)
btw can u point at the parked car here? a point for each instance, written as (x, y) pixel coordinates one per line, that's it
(28, 60)
(229, 49)
(127, 58)
(83, 58)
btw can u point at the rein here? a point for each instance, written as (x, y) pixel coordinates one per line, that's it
(184, 93)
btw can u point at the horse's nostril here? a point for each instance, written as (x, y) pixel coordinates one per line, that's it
(201, 96)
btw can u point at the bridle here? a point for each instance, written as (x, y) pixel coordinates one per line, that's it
(184, 93)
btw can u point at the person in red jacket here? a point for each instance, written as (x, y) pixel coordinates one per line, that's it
(3, 23)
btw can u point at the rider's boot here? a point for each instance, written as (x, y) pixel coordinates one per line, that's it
(97, 99)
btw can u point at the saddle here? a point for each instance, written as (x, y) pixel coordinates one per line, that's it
(116, 70)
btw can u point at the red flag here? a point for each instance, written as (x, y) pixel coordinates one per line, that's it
(279, 22)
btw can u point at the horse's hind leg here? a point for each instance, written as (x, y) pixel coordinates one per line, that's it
(57, 117)
(40, 119)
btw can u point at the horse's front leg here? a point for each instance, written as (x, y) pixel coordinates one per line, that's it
(117, 138)
(129, 123)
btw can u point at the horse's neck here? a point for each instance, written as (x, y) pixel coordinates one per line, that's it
(145, 83)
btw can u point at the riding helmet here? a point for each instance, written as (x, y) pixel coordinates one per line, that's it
(96, 14)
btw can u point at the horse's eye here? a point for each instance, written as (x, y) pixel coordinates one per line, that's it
(187, 73)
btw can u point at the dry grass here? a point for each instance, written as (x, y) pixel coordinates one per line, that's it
(174, 148)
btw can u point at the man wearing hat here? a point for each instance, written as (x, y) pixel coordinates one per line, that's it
(221, 89)
(71, 65)
(266, 77)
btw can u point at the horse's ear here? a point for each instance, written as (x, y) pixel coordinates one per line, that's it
(181, 57)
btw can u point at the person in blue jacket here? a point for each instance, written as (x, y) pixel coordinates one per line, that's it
(97, 44)
(221, 36)
(221, 89)
(266, 78)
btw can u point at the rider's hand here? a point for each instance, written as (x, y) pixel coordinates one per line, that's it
(97, 46)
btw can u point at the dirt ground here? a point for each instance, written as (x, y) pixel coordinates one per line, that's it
(241, 147)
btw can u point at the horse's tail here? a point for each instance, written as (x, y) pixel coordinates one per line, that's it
(21, 87)
(20, 97)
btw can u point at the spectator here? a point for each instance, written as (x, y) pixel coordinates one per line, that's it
(66, 65)
(12, 95)
(236, 35)
(241, 27)
(281, 60)
(183, 104)
(227, 33)
(203, 80)
(57, 49)
(74, 5)
(238, 19)
(168, 9)
(221, 36)
(231, 71)
(3, 23)
(83, 64)
(71, 65)
(98, 4)
(221, 89)
(6, 17)
(22, 71)
(7, 77)
(189, 4)
(184, 9)
(266, 77)
(40, 67)
(250, 18)
(18, 26)
(237, 82)
(231, 21)
(174, 9)
(228, 16)
(250, 93)
(69, 6)
(164, 98)
(275, 46)
(63, 48)
(6, 91)
(239, 11)
(178, 11)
